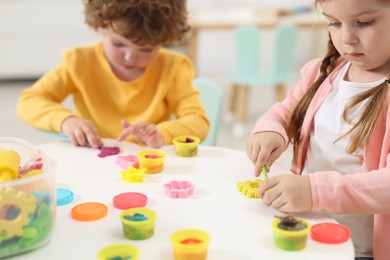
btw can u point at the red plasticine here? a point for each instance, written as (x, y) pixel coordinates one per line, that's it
(107, 151)
(189, 140)
(152, 156)
(191, 241)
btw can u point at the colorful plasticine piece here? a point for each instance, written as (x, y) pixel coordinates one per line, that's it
(31, 173)
(35, 165)
(126, 161)
(152, 156)
(133, 174)
(179, 189)
(107, 151)
(249, 188)
(136, 217)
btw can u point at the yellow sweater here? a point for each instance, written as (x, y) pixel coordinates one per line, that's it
(164, 96)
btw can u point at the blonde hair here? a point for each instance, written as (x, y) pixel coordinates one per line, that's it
(360, 130)
(144, 22)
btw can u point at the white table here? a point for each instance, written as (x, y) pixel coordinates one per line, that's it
(239, 227)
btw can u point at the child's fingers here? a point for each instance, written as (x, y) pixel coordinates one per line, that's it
(92, 136)
(73, 139)
(267, 190)
(124, 123)
(150, 129)
(125, 133)
(253, 152)
(79, 136)
(262, 159)
(94, 140)
(139, 127)
(155, 140)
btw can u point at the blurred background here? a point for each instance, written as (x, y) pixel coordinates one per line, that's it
(33, 34)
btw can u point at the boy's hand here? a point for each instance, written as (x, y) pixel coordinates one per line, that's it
(287, 193)
(263, 149)
(81, 132)
(143, 133)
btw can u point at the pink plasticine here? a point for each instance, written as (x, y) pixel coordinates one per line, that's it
(107, 151)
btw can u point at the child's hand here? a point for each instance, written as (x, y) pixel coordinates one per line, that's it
(287, 193)
(263, 149)
(81, 131)
(143, 133)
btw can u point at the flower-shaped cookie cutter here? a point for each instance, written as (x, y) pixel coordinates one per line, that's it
(179, 189)
(249, 188)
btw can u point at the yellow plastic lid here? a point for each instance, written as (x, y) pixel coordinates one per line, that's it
(119, 251)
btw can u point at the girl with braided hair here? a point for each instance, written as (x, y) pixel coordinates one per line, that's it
(338, 120)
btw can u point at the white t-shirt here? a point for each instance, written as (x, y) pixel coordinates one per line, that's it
(325, 155)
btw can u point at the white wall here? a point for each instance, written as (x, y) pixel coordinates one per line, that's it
(196, 4)
(33, 33)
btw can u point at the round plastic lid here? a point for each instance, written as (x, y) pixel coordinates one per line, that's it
(119, 251)
(130, 200)
(89, 211)
(330, 233)
(64, 196)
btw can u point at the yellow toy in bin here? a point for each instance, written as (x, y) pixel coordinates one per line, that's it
(186, 145)
(151, 160)
(9, 165)
(27, 205)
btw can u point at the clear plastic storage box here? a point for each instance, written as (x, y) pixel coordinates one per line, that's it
(27, 197)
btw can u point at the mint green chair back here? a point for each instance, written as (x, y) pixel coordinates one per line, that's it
(212, 98)
(247, 45)
(285, 38)
(249, 71)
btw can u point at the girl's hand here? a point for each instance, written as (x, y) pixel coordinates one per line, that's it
(81, 132)
(263, 149)
(143, 133)
(287, 193)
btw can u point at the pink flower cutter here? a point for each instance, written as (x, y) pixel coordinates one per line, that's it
(126, 161)
(179, 189)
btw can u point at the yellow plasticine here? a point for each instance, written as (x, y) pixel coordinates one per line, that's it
(24, 202)
(249, 188)
(32, 173)
(133, 174)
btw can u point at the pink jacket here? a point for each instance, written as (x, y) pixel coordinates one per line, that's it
(365, 192)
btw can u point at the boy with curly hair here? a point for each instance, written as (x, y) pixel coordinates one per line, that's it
(127, 86)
